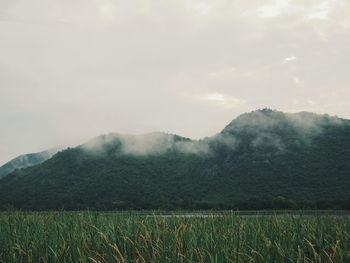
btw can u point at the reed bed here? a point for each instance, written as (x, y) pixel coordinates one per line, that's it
(97, 237)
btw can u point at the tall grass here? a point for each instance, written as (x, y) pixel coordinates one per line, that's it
(94, 237)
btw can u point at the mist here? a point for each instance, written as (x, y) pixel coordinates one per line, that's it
(265, 128)
(270, 128)
(146, 144)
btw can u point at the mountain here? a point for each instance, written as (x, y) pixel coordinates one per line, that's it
(26, 160)
(262, 159)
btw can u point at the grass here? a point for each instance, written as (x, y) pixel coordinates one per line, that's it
(98, 237)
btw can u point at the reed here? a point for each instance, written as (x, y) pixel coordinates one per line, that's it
(97, 237)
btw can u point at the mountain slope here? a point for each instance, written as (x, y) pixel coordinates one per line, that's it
(26, 160)
(263, 159)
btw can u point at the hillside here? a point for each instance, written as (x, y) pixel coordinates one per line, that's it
(262, 159)
(26, 160)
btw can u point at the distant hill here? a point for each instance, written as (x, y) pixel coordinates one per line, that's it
(263, 159)
(26, 160)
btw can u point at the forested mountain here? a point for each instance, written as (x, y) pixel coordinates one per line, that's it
(26, 160)
(262, 159)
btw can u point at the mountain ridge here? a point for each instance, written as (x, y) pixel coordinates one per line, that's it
(26, 160)
(263, 159)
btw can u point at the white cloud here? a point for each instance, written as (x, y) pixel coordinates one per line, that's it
(320, 11)
(223, 100)
(273, 9)
(289, 59)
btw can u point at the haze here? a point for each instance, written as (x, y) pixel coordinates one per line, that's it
(71, 70)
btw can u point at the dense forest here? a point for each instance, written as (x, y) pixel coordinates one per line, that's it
(262, 160)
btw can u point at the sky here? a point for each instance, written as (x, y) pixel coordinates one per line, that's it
(71, 70)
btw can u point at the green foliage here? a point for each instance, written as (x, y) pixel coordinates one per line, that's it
(24, 161)
(97, 237)
(262, 160)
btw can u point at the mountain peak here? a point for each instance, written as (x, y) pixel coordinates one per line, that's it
(266, 119)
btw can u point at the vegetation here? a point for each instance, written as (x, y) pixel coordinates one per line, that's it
(25, 161)
(97, 237)
(262, 160)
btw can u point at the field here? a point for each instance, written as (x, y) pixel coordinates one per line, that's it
(131, 237)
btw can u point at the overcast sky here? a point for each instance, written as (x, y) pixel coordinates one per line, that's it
(73, 69)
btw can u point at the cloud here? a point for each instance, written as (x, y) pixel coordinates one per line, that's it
(215, 99)
(268, 128)
(145, 144)
(289, 59)
(277, 8)
(223, 100)
(71, 70)
(319, 12)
